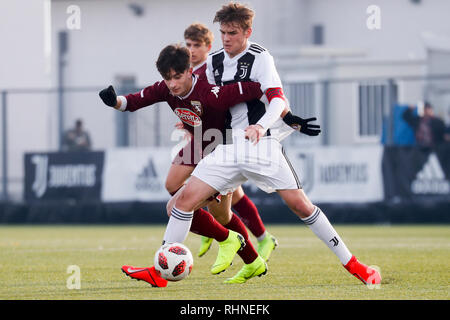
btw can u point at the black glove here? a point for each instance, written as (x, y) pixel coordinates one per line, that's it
(302, 125)
(109, 97)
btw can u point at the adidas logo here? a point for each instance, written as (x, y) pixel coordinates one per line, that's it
(431, 179)
(148, 178)
(216, 73)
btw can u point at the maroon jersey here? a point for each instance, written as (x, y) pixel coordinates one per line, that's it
(201, 71)
(204, 106)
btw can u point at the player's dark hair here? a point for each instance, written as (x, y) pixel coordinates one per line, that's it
(199, 32)
(173, 57)
(235, 13)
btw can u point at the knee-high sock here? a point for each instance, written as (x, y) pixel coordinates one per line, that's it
(323, 229)
(203, 223)
(248, 254)
(178, 226)
(249, 214)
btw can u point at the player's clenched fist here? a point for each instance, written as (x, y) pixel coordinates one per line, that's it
(254, 132)
(109, 97)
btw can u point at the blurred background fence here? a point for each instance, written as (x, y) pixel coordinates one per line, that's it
(358, 79)
(357, 116)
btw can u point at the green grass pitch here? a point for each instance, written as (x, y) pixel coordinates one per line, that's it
(414, 262)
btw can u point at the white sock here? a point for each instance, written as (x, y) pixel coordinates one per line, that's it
(178, 226)
(262, 237)
(322, 228)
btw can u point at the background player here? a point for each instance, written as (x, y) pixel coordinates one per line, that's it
(242, 60)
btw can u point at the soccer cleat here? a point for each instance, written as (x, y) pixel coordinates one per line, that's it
(266, 246)
(204, 246)
(364, 273)
(149, 275)
(227, 251)
(248, 271)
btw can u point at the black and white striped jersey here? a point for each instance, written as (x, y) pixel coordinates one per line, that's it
(256, 64)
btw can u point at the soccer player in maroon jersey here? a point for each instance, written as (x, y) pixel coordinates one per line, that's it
(201, 106)
(199, 40)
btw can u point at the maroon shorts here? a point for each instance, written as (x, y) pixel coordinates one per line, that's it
(190, 155)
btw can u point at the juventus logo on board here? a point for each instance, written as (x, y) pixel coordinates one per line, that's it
(40, 176)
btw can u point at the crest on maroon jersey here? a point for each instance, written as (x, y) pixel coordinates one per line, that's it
(197, 107)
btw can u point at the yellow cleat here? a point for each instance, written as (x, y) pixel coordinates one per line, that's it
(248, 271)
(227, 251)
(204, 246)
(266, 246)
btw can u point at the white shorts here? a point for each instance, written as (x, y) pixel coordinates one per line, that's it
(265, 164)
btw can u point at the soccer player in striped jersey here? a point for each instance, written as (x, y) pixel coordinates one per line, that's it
(199, 40)
(254, 152)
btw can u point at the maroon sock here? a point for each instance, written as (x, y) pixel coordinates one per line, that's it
(203, 223)
(248, 254)
(249, 214)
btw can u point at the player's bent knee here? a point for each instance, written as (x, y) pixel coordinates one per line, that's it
(183, 201)
(303, 210)
(172, 187)
(298, 202)
(171, 203)
(169, 206)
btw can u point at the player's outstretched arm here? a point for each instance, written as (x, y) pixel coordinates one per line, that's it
(157, 92)
(302, 125)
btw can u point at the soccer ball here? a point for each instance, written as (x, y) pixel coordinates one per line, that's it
(173, 261)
